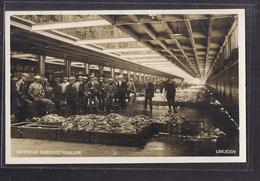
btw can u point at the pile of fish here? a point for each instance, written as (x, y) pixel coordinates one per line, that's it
(169, 119)
(52, 119)
(206, 135)
(189, 95)
(112, 123)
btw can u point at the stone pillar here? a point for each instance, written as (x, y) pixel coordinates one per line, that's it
(41, 62)
(67, 67)
(101, 69)
(134, 76)
(112, 72)
(121, 72)
(87, 67)
(128, 75)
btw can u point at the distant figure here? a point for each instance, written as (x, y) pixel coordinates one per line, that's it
(170, 90)
(149, 94)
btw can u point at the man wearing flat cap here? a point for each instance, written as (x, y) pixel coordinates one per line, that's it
(93, 93)
(78, 82)
(36, 94)
(83, 95)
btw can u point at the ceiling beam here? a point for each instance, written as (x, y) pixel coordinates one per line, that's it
(168, 19)
(210, 29)
(131, 33)
(105, 40)
(164, 46)
(149, 59)
(171, 34)
(69, 24)
(235, 23)
(23, 55)
(141, 55)
(116, 50)
(189, 30)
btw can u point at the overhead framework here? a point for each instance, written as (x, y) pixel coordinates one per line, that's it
(155, 44)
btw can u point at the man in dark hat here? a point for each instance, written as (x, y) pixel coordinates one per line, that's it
(101, 94)
(170, 90)
(121, 92)
(83, 95)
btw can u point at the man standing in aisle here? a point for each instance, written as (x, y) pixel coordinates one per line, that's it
(63, 102)
(110, 92)
(149, 94)
(57, 95)
(101, 94)
(25, 106)
(93, 91)
(121, 91)
(72, 97)
(83, 95)
(170, 90)
(79, 81)
(131, 89)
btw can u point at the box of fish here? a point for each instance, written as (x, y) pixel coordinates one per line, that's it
(191, 127)
(206, 140)
(16, 129)
(168, 124)
(76, 128)
(112, 129)
(141, 131)
(51, 119)
(36, 131)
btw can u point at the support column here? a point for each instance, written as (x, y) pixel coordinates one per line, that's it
(67, 68)
(101, 69)
(112, 72)
(87, 67)
(128, 75)
(134, 76)
(41, 62)
(121, 72)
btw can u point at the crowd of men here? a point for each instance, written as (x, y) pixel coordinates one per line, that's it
(81, 95)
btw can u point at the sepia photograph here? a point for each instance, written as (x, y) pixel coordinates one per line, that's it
(128, 86)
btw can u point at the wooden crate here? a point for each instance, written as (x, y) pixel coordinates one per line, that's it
(37, 132)
(126, 139)
(16, 129)
(73, 136)
(101, 138)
